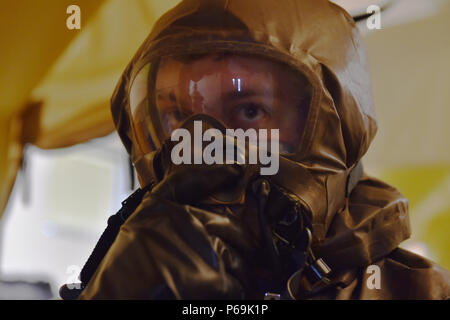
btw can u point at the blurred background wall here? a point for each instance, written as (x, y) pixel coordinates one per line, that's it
(55, 124)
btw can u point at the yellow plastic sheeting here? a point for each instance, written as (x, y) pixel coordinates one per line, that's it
(437, 237)
(428, 190)
(33, 34)
(68, 74)
(78, 88)
(10, 155)
(409, 67)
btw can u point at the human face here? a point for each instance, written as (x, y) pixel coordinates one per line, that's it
(241, 91)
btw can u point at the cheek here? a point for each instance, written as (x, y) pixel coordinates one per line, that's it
(291, 124)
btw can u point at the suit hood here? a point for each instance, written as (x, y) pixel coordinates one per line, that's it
(320, 40)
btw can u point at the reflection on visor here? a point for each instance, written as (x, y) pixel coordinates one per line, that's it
(241, 91)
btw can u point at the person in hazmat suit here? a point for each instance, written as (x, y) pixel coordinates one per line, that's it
(292, 74)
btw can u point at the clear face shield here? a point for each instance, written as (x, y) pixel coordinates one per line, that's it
(241, 91)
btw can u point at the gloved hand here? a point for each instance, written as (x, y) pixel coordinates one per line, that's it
(173, 246)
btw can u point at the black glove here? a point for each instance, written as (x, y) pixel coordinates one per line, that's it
(173, 246)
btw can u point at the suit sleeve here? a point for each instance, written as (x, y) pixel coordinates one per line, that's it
(170, 251)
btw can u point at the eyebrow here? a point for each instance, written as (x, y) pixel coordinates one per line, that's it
(236, 95)
(161, 95)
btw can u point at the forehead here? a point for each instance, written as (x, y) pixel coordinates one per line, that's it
(227, 69)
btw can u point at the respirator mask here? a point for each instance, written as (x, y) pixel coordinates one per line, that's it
(195, 111)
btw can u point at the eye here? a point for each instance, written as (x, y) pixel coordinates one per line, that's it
(251, 112)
